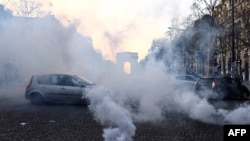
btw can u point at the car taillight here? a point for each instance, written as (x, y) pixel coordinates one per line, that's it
(213, 84)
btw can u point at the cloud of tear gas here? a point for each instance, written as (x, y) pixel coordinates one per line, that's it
(114, 41)
(149, 17)
(111, 114)
(149, 94)
(43, 45)
(239, 115)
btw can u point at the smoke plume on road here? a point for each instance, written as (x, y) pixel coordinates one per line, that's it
(110, 113)
(149, 93)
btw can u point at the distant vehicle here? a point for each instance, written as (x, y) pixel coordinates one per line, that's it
(186, 78)
(57, 88)
(186, 82)
(221, 88)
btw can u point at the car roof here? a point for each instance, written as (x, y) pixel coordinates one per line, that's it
(207, 77)
(50, 74)
(215, 77)
(185, 75)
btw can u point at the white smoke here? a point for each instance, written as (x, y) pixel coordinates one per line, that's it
(149, 96)
(43, 46)
(110, 113)
(34, 46)
(240, 115)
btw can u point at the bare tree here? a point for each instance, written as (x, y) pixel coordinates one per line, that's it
(28, 8)
(4, 2)
(187, 21)
(204, 7)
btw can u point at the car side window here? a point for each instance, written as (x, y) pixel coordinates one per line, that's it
(75, 82)
(232, 83)
(54, 80)
(64, 80)
(43, 80)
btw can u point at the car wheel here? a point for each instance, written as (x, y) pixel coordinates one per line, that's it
(36, 98)
(244, 95)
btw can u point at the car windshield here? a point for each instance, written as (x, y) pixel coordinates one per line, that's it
(83, 80)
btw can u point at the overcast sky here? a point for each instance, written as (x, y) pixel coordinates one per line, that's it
(119, 25)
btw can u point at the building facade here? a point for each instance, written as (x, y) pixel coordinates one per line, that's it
(224, 16)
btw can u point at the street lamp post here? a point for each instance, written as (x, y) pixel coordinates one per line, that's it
(246, 57)
(233, 44)
(209, 48)
(206, 72)
(224, 63)
(178, 29)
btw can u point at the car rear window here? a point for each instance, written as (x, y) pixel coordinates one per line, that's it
(205, 81)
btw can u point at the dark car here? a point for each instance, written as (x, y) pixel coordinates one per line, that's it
(221, 88)
(62, 88)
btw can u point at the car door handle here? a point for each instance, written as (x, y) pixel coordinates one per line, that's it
(63, 88)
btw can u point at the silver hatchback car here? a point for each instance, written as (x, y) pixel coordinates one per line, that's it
(58, 88)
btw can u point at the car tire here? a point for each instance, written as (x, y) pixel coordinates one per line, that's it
(36, 98)
(244, 95)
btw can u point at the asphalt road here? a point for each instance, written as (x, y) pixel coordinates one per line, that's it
(22, 121)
